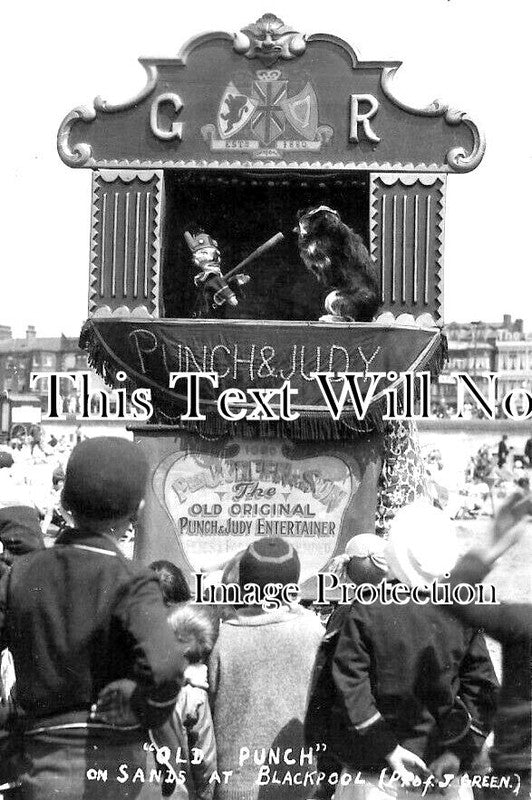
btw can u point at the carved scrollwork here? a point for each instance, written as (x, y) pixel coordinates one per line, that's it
(103, 105)
(457, 158)
(269, 39)
(78, 155)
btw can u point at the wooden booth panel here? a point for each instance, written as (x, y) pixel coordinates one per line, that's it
(406, 241)
(125, 242)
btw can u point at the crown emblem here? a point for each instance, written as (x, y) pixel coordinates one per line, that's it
(268, 74)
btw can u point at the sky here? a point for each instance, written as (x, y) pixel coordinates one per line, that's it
(57, 55)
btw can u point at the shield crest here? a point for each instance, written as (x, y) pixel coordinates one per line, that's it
(235, 111)
(268, 121)
(301, 111)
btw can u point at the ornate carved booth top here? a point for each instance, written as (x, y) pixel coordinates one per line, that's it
(234, 136)
(269, 98)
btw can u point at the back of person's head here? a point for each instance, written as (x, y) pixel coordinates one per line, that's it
(105, 479)
(422, 544)
(20, 526)
(172, 581)
(20, 529)
(367, 562)
(194, 630)
(6, 460)
(269, 560)
(58, 476)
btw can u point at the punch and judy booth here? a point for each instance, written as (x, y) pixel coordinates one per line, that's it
(233, 137)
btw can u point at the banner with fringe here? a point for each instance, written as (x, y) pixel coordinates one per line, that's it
(262, 355)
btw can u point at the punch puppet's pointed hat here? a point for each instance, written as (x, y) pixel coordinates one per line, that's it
(199, 240)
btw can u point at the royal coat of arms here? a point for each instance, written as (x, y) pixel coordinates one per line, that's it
(267, 120)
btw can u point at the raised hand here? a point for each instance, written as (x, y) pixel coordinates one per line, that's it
(508, 525)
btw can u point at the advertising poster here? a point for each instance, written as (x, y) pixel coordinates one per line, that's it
(250, 246)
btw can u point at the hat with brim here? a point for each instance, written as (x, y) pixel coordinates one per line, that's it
(367, 560)
(422, 544)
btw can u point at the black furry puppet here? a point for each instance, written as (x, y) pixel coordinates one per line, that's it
(339, 260)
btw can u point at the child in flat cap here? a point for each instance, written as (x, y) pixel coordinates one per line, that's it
(78, 616)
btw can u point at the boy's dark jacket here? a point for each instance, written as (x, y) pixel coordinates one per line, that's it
(77, 616)
(400, 674)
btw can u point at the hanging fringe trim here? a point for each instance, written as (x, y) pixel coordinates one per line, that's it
(310, 426)
(306, 428)
(97, 356)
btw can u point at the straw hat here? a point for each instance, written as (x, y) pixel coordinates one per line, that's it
(422, 544)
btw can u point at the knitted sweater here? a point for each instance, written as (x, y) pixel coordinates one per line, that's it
(259, 674)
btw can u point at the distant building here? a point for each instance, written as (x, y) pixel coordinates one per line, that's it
(480, 331)
(479, 348)
(513, 363)
(20, 357)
